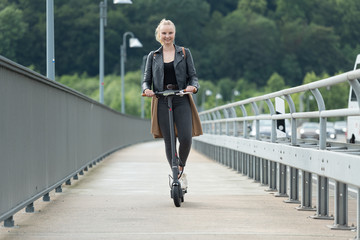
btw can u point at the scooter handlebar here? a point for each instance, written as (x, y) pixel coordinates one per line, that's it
(176, 92)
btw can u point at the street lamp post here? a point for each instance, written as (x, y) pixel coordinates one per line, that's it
(103, 10)
(103, 23)
(133, 42)
(50, 49)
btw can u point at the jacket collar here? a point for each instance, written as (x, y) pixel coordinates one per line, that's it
(178, 54)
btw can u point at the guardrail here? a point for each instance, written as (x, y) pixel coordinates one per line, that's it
(49, 134)
(268, 160)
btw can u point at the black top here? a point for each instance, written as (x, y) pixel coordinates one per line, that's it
(169, 74)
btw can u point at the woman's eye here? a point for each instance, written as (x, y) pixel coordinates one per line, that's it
(169, 33)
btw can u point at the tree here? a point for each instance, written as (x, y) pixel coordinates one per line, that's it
(224, 7)
(275, 83)
(226, 89)
(31, 48)
(257, 6)
(249, 47)
(76, 37)
(12, 28)
(310, 47)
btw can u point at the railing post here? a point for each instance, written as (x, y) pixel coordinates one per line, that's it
(294, 186)
(272, 173)
(293, 120)
(306, 193)
(245, 164)
(257, 169)
(265, 172)
(233, 113)
(235, 160)
(273, 122)
(239, 164)
(30, 208)
(226, 115)
(341, 207)
(218, 116)
(321, 106)
(243, 110)
(9, 222)
(294, 173)
(213, 125)
(46, 197)
(250, 171)
(322, 211)
(282, 181)
(257, 122)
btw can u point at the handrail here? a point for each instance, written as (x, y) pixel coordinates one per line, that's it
(266, 159)
(50, 134)
(344, 77)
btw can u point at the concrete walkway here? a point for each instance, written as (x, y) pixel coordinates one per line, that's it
(127, 196)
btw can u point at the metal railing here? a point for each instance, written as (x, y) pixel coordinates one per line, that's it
(275, 161)
(49, 134)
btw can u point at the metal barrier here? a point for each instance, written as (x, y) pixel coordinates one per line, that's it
(269, 160)
(49, 134)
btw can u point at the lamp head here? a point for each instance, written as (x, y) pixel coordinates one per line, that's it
(122, 2)
(135, 43)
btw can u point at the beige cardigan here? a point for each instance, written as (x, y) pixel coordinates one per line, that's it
(155, 129)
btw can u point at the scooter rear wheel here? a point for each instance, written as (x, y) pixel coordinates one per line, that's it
(176, 193)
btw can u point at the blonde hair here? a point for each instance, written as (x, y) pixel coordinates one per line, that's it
(157, 30)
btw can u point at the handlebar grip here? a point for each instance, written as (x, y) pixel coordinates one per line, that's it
(143, 95)
(193, 91)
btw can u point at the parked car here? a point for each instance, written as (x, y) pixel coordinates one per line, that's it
(265, 128)
(340, 127)
(330, 130)
(309, 130)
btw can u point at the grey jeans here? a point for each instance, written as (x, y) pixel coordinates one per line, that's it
(183, 122)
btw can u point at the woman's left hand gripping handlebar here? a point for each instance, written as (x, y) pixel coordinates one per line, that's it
(191, 89)
(148, 93)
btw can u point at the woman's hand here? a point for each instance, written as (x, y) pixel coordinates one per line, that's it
(149, 93)
(191, 89)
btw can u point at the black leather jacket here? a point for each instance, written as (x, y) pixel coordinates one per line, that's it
(184, 70)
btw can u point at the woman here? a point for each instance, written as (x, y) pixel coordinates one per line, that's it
(172, 67)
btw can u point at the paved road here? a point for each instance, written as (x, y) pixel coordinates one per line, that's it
(126, 196)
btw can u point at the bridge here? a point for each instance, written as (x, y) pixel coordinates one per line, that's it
(71, 167)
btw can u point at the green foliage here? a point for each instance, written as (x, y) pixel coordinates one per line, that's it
(242, 55)
(251, 46)
(83, 83)
(275, 83)
(226, 88)
(233, 39)
(257, 6)
(12, 28)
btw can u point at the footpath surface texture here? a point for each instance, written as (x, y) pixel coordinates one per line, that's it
(126, 196)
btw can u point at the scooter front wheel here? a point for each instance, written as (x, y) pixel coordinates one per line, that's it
(176, 194)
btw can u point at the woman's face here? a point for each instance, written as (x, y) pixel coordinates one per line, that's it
(167, 34)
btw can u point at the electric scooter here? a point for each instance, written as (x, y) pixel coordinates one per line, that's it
(176, 192)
